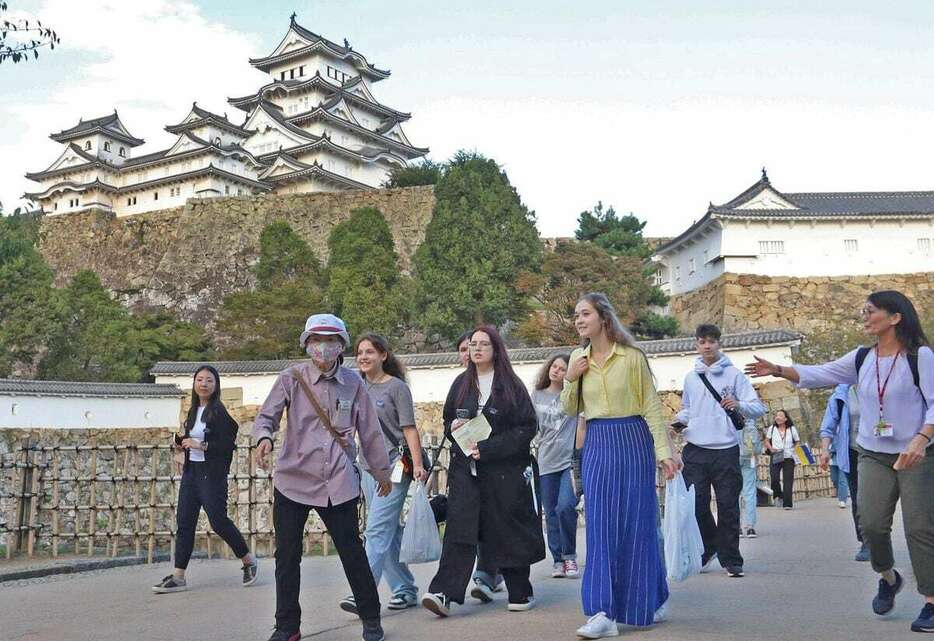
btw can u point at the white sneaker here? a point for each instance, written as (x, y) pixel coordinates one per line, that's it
(557, 570)
(522, 607)
(599, 626)
(481, 591)
(842, 504)
(706, 567)
(571, 570)
(661, 614)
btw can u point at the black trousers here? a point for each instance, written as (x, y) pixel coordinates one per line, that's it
(704, 468)
(784, 489)
(456, 566)
(852, 479)
(341, 522)
(198, 490)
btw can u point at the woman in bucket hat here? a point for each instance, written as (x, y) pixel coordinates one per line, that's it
(328, 408)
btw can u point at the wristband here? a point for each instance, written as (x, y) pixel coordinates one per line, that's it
(924, 435)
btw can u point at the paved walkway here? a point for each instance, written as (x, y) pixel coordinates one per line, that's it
(801, 583)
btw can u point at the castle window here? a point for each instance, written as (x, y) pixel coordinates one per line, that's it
(692, 265)
(55, 207)
(106, 146)
(282, 76)
(291, 74)
(226, 190)
(850, 246)
(771, 246)
(155, 195)
(301, 70)
(677, 272)
(131, 201)
(122, 152)
(924, 246)
(87, 145)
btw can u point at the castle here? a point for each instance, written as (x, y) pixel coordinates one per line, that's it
(315, 126)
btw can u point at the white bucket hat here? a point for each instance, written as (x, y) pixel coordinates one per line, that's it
(325, 325)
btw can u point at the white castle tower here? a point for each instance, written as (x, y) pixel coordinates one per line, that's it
(315, 126)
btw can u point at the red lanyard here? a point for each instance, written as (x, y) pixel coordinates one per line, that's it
(881, 387)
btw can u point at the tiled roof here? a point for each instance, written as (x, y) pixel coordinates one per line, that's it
(848, 204)
(104, 122)
(13, 386)
(759, 338)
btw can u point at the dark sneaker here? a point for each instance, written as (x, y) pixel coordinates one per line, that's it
(372, 630)
(751, 533)
(348, 604)
(863, 554)
(282, 635)
(250, 572)
(925, 620)
(437, 603)
(481, 591)
(885, 598)
(735, 571)
(402, 602)
(169, 584)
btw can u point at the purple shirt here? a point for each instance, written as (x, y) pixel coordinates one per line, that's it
(904, 407)
(312, 468)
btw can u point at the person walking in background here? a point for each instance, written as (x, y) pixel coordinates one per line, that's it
(716, 403)
(208, 440)
(750, 447)
(610, 382)
(555, 440)
(328, 409)
(491, 488)
(781, 439)
(384, 379)
(894, 380)
(838, 432)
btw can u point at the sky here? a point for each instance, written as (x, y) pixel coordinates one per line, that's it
(654, 107)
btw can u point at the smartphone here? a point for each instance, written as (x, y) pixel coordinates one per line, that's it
(678, 426)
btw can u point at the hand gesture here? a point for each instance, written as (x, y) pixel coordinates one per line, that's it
(475, 452)
(420, 473)
(261, 454)
(761, 368)
(578, 368)
(458, 423)
(825, 461)
(191, 444)
(728, 403)
(916, 450)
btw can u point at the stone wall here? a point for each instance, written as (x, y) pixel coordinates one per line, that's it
(744, 301)
(186, 259)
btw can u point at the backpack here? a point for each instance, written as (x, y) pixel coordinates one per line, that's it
(862, 352)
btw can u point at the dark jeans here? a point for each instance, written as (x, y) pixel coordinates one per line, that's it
(199, 490)
(560, 506)
(852, 480)
(784, 490)
(454, 574)
(704, 468)
(341, 522)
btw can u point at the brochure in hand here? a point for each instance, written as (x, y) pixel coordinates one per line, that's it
(472, 432)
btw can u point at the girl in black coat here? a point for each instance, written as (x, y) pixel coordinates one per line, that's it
(208, 440)
(491, 489)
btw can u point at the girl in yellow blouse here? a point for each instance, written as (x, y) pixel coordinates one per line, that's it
(610, 382)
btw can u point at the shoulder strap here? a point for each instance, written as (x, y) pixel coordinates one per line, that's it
(580, 392)
(709, 387)
(840, 407)
(915, 374)
(325, 419)
(861, 354)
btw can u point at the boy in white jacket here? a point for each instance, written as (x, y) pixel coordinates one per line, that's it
(711, 453)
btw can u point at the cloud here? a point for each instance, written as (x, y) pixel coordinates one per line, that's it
(149, 59)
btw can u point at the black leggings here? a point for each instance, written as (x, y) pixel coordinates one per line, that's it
(198, 490)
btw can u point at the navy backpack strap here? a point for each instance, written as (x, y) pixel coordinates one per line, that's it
(861, 355)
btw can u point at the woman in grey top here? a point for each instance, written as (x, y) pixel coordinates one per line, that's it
(555, 438)
(384, 378)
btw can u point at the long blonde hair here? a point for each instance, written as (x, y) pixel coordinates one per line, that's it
(615, 330)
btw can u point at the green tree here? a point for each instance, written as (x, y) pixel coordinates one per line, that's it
(263, 323)
(619, 235)
(479, 239)
(572, 270)
(94, 339)
(425, 172)
(365, 286)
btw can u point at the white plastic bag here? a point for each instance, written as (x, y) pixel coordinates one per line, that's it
(683, 543)
(421, 542)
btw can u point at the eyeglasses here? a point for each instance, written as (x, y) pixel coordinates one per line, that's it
(480, 345)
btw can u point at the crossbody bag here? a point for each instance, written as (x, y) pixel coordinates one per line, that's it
(738, 420)
(325, 419)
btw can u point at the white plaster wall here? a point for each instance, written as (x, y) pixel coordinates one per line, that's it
(703, 250)
(431, 385)
(76, 412)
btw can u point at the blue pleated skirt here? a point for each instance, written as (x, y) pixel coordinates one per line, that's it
(625, 574)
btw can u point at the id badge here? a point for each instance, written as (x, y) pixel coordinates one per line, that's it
(884, 430)
(397, 472)
(344, 407)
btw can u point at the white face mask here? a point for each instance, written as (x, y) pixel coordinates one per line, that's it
(324, 352)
